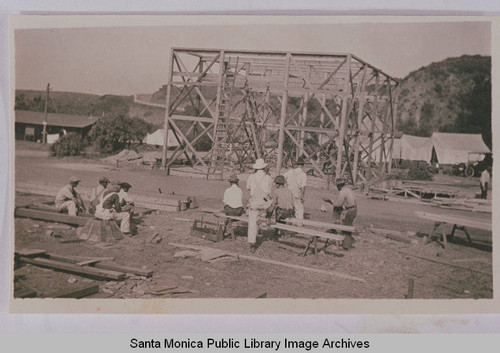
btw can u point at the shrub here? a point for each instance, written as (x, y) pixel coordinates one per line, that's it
(113, 134)
(71, 144)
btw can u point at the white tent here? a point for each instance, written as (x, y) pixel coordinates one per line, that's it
(157, 138)
(454, 148)
(415, 148)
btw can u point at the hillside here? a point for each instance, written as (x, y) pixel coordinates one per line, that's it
(453, 95)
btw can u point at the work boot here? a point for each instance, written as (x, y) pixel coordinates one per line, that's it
(347, 243)
(252, 247)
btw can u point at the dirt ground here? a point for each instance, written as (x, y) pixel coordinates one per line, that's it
(385, 265)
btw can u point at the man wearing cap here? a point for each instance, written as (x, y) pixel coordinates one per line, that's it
(346, 204)
(233, 196)
(68, 200)
(126, 202)
(97, 193)
(296, 180)
(259, 184)
(109, 208)
(282, 200)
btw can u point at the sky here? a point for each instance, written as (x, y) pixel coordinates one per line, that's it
(129, 60)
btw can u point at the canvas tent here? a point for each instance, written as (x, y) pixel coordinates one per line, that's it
(452, 148)
(415, 148)
(157, 138)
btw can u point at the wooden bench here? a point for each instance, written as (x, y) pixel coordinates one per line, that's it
(459, 223)
(313, 234)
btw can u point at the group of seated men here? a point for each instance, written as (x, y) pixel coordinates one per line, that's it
(113, 203)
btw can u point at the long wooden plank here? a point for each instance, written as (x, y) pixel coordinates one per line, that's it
(75, 293)
(72, 268)
(278, 263)
(463, 221)
(121, 268)
(308, 222)
(310, 232)
(300, 230)
(443, 262)
(51, 216)
(100, 263)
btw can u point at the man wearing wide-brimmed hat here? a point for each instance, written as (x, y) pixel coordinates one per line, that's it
(259, 184)
(109, 208)
(346, 202)
(233, 198)
(296, 180)
(68, 200)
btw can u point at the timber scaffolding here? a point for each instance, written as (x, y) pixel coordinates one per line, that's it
(336, 110)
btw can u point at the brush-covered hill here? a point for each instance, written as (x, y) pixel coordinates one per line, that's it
(453, 95)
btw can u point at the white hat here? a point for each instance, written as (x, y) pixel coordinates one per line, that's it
(259, 164)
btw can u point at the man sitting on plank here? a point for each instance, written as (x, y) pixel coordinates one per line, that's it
(109, 208)
(68, 200)
(283, 202)
(126, 202)
(233, 196)
(346, 204)
(95, 198)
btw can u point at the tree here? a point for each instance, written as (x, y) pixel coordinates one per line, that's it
(112, 134)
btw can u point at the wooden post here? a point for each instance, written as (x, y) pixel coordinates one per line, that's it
(343, 118)
(284, 104)
(44, 132)
(167, 110)
(373, 116)
(411, 283)
(394, 108)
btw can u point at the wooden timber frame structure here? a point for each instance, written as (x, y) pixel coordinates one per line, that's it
(335, 110)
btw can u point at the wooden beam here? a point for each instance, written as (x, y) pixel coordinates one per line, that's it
(278, 263)
(318, 224)
(167, 110)
(127, 269)
(51, 216)
(75, 293)
(463, 221)
(72, 268)
(284, 105)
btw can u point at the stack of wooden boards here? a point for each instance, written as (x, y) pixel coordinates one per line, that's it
(155, 201)
(94, 267)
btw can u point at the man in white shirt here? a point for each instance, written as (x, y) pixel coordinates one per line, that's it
(97, 192)
(260, 185)
(485, 182)
(296, 180)
(126, 202)
(233, 196)
(68, 200)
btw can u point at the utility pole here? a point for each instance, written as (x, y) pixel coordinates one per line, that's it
(44, 133)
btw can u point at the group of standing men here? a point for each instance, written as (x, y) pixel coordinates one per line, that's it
(111, 203)
(285, 202)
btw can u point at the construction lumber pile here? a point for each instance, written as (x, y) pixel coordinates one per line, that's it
(156, 201)
(97, 268)
(51, 216)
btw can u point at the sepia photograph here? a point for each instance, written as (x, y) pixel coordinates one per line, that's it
(256, 158)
